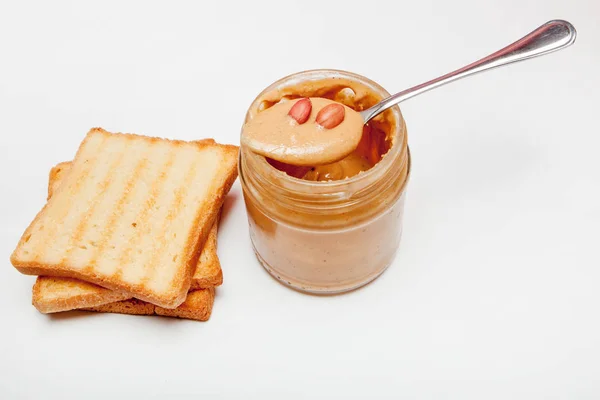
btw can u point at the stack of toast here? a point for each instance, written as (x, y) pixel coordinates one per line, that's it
(130, 226)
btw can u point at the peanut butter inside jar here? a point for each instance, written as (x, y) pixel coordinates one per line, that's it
(335, 227)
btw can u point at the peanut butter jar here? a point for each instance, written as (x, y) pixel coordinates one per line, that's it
(328, 236)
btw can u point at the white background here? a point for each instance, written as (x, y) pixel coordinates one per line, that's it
(495, 293)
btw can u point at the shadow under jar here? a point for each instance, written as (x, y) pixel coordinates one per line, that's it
(329, 236)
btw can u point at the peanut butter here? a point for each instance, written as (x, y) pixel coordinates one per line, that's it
(375, 140)
(275, 134)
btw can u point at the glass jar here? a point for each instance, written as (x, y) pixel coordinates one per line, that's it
(334, 236)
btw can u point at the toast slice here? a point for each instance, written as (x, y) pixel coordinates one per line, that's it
(131, 215)
(208, 271)
(198, 306)
(56, 294)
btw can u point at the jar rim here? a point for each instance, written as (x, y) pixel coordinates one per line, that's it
(363, 177)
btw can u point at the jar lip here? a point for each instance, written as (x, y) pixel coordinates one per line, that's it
(373, 173)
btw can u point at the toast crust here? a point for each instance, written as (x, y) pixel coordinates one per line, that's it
(197, 306)
(205, 214)
(208, 270)
(128, 306)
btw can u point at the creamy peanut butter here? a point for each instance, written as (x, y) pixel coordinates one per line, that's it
(275, 134)
(376, 138)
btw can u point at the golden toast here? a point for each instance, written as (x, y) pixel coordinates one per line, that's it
(56, 294)
(131, 215)
(208, 271)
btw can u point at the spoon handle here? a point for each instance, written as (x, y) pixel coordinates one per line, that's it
(551, 36)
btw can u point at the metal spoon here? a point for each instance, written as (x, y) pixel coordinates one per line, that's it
(552, 36)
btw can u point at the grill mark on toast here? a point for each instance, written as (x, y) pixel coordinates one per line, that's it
(91, 163)
(155, 190)
(83, 224)
(180, 194)
(118, 211)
